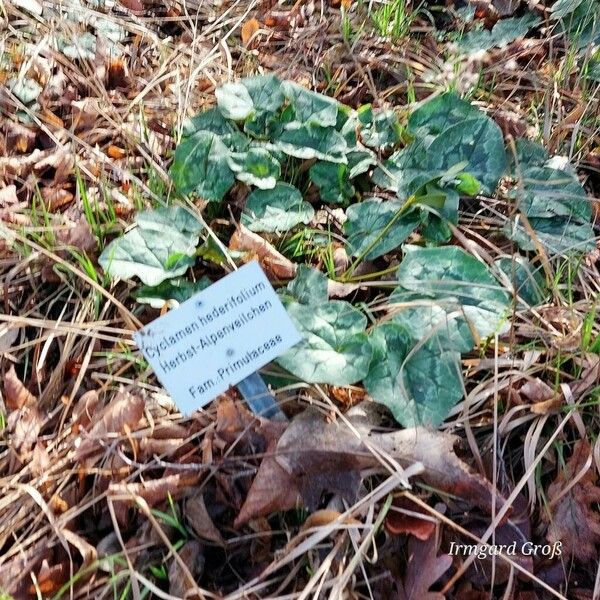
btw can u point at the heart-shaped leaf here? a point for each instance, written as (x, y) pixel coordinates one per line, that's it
(162, 246)
(256, 167)
(334, 348)
(419, 385)
(373, 227)
(201, 166)
(311, 107)
(277, 209)
(333, 182)
(234, 101)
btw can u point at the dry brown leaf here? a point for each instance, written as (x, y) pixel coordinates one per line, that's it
(424, 568)
(16, 395)
(313, 455)
(155, 491)
(87, 551)
(116, 152)
(536, 390)
(61, 160)
(79, 235)
(397, 522)
(24, 425)
(56, 197)
(85, 408)
(192, 555)
(200, 521)
(19, 139)
(125, 411)
(49, 579)
(249, 29)
(275, 265)
(573, 520)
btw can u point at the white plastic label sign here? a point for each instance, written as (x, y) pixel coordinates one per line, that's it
(218, 337)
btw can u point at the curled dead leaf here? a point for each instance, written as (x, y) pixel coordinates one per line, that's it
(125, 411)
(313, 455)
(248, 32)
(16, 395)
(424, 568)
(275, 265)
(573, 519)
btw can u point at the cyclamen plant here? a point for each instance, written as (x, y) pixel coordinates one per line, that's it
(296, 149)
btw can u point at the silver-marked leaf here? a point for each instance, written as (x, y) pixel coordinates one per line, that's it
(449, 272)
(556, 206)
(212, 120)
(527, 281)
(256, 167)
(334, 349)
(558, 235)
(162, 246)
(379, 129)
(234, 101)
(333, 182)
(503, 33)
(405, 171)
(426, 317)
(277, 209)
(308, 287)
(373, 228)
(265, 91)
(178, 290)
(477, 141)
(311, 107)
(440, 113)
(419, 385)
(25, 89)
(308, 141)
(201, 165)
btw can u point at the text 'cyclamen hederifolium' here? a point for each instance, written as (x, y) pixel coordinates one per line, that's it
(218, 337)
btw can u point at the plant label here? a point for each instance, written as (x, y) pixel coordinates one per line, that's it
(218, 337)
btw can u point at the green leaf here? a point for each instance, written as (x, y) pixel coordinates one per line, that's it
(334, 350)
(265, 91)
(436, 115)
(503, 33)
(557, 235)
(557, 208)
(277, 209)
(255, 167)
(405, 171)
(312, 141)
(554, 193)
(308, 287)
(429, 318)
(478, 141)
(212, 120)
(419, 386)
(333, 182)
(179, 290)
(201, 165)
(359, 161)
(529, 154)
(380, 129)
(162, 246)
(234, 101)
(369, 227)
(310, 107)
(527, 281)
(449, 272)
(467, 184)
(562, 8)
